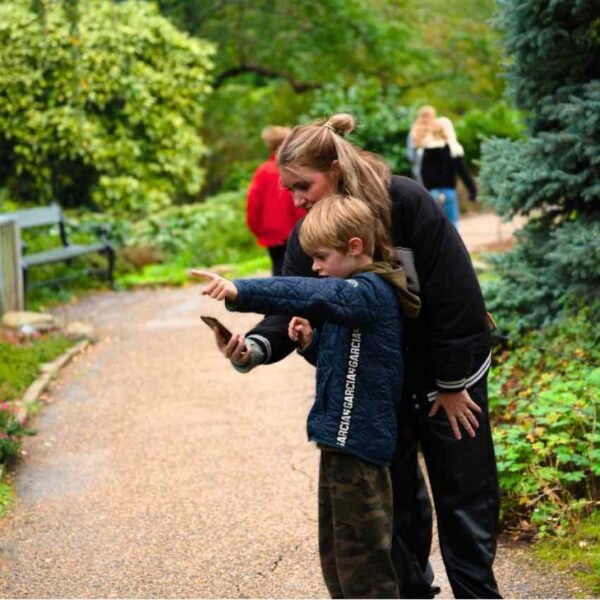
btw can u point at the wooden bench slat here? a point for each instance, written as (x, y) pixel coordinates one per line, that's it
(52, 215)
(36, 217)
(59, 254)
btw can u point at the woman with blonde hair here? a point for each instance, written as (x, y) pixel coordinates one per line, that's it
(418, 138)
(442, 162)
(446, 357)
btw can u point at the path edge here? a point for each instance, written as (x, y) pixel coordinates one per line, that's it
(48, 372)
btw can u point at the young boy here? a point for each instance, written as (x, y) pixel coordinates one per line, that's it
(357, 350)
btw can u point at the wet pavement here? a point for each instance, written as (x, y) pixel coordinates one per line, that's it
(159, 472)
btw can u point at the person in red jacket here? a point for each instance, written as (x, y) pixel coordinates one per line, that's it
(270, 211)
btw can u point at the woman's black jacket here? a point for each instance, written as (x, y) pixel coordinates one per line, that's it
(448, 346)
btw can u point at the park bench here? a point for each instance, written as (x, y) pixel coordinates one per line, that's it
(53, 216)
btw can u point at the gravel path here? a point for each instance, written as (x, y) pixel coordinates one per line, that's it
(159, 472)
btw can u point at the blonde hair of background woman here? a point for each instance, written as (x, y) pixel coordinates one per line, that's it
(361, 174)
(421, 128)
(443, 130)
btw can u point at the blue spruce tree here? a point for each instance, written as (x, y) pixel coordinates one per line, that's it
(552, 176)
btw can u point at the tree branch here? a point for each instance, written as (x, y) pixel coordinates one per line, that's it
(298, 86)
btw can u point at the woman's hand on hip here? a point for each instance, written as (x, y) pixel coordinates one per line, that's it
(460, 410)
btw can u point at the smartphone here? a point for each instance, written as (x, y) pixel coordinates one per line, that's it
(216, 324)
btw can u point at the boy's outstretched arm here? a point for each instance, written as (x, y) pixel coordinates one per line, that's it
(217, 287)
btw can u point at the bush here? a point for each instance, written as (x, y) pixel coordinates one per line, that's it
(500, 121)
(20, 362)
(101, 113)
(544, 401)
(548, 274)
(210, 233)
(383, 123)
(551, 176)
(12, 431)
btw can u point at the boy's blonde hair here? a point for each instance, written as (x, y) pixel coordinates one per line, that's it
(333, 221)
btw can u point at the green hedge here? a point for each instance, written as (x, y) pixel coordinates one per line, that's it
(103, 114)
(210, 233)
(544, 401)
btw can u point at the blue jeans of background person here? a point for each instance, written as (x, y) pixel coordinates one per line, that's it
(447, 199)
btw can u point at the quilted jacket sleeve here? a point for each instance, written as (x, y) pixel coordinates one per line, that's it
(271, 333)
(343, 301)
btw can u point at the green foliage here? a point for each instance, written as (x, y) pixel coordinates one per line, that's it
(12, 431)
(278, 60)
(304, 43)
(383, 123)
(176, 272)
(465, 55)
(20, 362)
(552, 176)
(105, 114)
(477, 125)
(554, 172)
(552, 45)
(544, 400)
(236, 114)
(210, 233)
(6, 496)
(546, 275)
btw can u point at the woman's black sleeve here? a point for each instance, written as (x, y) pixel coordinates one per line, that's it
(463, 172)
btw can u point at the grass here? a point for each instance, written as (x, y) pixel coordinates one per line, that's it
(177, 274)
(20, 361)
(578, 553)
(7, 495)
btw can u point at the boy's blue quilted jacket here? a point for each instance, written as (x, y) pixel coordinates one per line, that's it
(357, 350)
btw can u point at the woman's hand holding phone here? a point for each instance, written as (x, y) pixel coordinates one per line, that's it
(234, 348)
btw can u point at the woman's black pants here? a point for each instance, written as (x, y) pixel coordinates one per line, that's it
(464, 483)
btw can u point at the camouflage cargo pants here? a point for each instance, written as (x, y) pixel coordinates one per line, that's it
(355, 527)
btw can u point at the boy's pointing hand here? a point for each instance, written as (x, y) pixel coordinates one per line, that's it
(217, 287)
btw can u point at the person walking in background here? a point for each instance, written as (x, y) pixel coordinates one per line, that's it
(442, 161)
(357, 349)
(270, 211)
(418, 138)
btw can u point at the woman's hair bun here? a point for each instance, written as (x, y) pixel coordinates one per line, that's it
(342, 123)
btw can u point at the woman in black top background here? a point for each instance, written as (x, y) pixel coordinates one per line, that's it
(441, 163)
